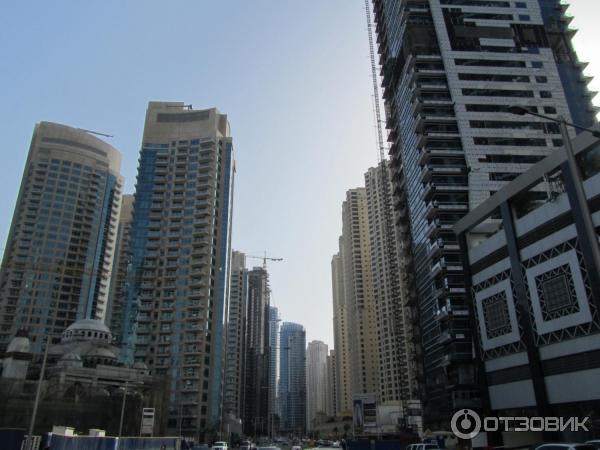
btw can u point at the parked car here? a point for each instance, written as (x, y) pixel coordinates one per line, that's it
(422, 447)
(246, 445)
(296, 447)
(595, 443)
(565, 446)
(220, 445)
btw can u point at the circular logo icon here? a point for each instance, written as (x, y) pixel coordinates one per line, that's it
(465, 424)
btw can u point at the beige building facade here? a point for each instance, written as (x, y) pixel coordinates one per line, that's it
(59, 255)
(358, 294)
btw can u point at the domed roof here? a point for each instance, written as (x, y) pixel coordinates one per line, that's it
(88, 325)
(70, 357)
(18, 345)
(87, 330)
(102, 353)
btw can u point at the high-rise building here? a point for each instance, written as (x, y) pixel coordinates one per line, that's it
(341, 334)
(363, 344)
(450, 72)
(236, 331)
(399, 365)
(255, 414)
(292, 379)
(274, 320)
(60, 249)
(316, 381)
(118, 283)
(332, 387)
(178, 278)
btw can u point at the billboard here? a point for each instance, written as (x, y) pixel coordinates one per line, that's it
(364, 413)
(147, 427)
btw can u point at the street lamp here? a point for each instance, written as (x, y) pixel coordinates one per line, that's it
(522, 111)
(574, 172)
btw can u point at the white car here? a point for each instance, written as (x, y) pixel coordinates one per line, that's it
(296, 447)
(566, 446)
(219, 445)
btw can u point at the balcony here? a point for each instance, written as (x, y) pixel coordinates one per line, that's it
(445, 337)
(425, 118)
(431, 210)
(434, 249)
(448, 312)
(422, 102)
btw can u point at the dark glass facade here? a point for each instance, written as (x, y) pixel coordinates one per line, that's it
(450, 71)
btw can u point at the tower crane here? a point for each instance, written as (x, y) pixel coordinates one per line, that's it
(264, 258)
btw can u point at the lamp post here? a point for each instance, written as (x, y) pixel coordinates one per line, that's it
(575, 175)
(123, 407)
(38, 393)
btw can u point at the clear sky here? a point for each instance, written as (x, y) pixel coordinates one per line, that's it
(293, 76)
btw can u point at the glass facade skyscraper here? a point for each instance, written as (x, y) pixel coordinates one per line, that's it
(450, 72)
(292, 379)
(180, 245)
(59, 255)
(256, 404)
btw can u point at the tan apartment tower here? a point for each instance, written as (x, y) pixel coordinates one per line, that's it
(397, 331)
(59, 254)
(341, 338)
(355, 251)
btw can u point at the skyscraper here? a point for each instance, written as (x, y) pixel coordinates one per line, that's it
(363, 344)
(332, 386)
(118, 283)
(399, 364)
(292, 378)
(274, 320)
(341, 334)
(255, 415)
(60, 248)
(180, 259)
(236, 331)
(316, 381)
(450, 72)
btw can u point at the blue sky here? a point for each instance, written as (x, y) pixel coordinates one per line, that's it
(293, 76)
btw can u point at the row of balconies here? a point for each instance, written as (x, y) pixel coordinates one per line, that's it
(428, 153)
(447, 312)
(431, 189)
(450, 169)
(434, 208)
(443, 266)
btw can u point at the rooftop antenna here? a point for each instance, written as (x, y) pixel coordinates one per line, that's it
(96, 133)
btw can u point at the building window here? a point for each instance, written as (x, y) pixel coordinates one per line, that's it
(556, 292)
(496, 316)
